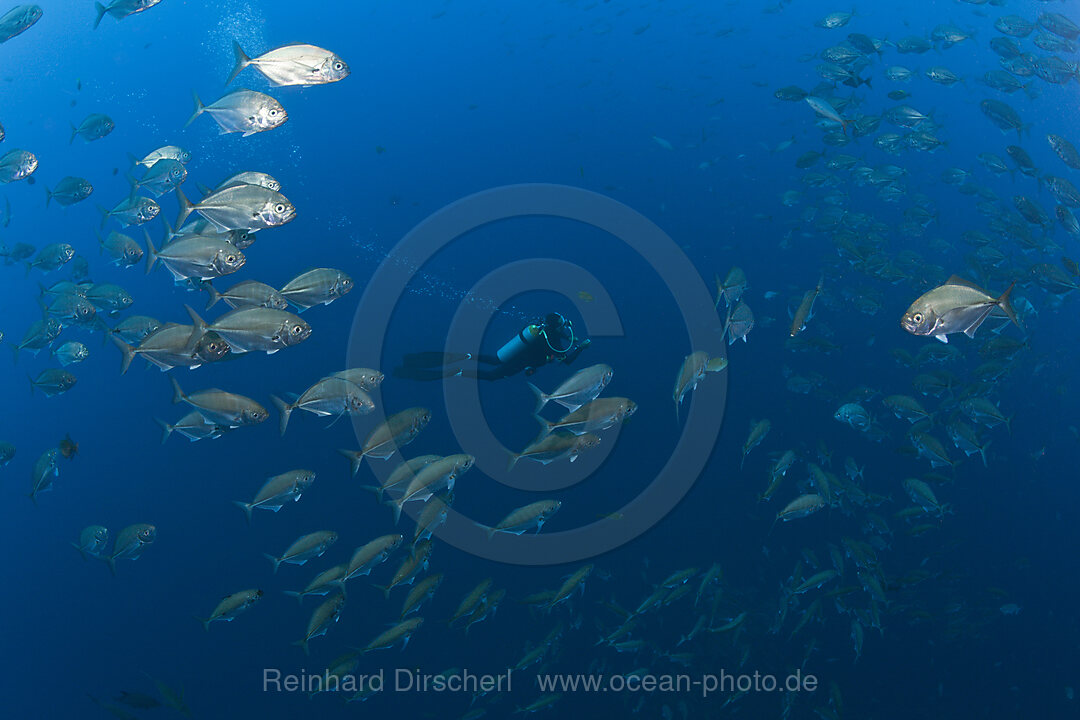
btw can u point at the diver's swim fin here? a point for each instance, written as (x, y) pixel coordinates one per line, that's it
(425, 373)
(433, 359)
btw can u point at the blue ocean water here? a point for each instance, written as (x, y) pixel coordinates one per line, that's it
(667, 108)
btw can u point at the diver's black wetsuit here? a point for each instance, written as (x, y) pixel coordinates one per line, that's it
(536, 345)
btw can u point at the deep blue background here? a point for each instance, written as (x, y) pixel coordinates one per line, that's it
(464, 97)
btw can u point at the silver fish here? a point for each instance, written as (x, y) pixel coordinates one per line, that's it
(305, 548)
(956, 306)
(329, 396)
(242, 111)
(581, 387)
(92, 541)
(231, 606)
(249, 293)
(123, 249)
(94, 127)
(17, 20)
(222, 407)
(69, 191)
(130, 543)
(133, 210)
(162, 177)
(240, 207)
(44, 471)
(202, 257)
(296, 64)
(739, 323)
(193, 426)
(166, 152)
(136, 328)
(315, 287)
(120, 9)
(324, 616)
(279, 490)
(17, 165)
(253, 329)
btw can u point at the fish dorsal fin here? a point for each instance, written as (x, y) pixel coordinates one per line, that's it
(957, 280)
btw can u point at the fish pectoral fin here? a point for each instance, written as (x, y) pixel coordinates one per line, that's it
(943, 338)
(970, 330)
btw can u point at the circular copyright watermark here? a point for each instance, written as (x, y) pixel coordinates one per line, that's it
(599, 318)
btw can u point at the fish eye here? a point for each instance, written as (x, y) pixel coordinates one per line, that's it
(279, 208)
(917, 317)
(230, 258)
(297, 329)
(339, 65)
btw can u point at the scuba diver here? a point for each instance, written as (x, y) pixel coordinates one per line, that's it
(540, 343)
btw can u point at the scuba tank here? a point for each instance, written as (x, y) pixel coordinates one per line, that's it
(521, 342)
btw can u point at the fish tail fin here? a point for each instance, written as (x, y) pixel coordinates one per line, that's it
(285, 409)
(128, 351)
(199, 329)
(166, 429)
(81, 553)
(214, 295)
(31, 381)
(74, 132)
(178, 394)
(242, 61)
(982, 451)
(104, 216)
(514, 457)
(545, 427)
(293, 593)
(48, 196)
(133, 160)
(302, 644)
(205, 623)
(276, 562)
(101, 10)
(185, 207)
(169, 233)
(385, 590)
(15, 353)
(246, 507)
(719, 291)
(541, 398)
(111, 562)
(151, 252)
(375, 489)
(199, 108)
(354, 457)
(1006, 306)
(397, 505)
